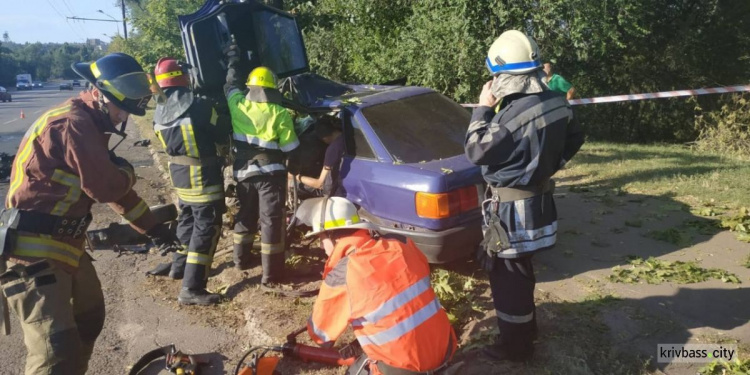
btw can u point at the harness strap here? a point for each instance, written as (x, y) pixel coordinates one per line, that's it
(507, 194)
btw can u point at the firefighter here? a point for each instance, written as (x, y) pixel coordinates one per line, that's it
(189, 128)
(64, 166)
(263, 136)
(380, 285)
(532, 135)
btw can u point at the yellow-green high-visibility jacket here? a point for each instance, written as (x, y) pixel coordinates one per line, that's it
(189, 129)
(263, 132)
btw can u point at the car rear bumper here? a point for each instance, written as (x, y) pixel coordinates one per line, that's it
(447, 245)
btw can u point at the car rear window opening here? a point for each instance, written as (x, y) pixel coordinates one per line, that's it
(420, 128)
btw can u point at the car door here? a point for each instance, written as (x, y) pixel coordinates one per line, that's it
(265, 36)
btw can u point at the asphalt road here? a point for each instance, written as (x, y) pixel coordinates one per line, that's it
(33, 103)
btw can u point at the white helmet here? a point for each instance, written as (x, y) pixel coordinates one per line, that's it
(324, 214)
(513, 53)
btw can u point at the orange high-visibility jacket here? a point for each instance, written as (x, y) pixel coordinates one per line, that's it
(62, 168)
(381, 286)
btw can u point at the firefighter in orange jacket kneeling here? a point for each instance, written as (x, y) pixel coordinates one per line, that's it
(380, 284)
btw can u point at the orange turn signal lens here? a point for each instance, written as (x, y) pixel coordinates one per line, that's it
(433, 206)
(444, 205)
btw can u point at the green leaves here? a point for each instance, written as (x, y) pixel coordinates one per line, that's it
(656, 271)
(456, 294)
(739, 223)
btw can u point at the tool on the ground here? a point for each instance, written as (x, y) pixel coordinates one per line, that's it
(175, 361)
(122, 234)
(260, 364)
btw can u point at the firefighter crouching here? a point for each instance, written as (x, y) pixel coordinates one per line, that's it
(520, 147)
(380, 285)
(189, 128)
(263, 136)
(62, 167)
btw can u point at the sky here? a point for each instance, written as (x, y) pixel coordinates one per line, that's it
(45, 20)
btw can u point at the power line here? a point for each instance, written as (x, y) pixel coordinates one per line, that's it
(92, 19)
(72, 13)
(66, 20)
(67, 6)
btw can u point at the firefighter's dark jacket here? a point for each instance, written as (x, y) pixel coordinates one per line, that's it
(529, 139)
(190, 126)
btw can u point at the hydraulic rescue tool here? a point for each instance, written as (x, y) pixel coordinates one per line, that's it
(255, 361)
(175, 361)
(122, 234)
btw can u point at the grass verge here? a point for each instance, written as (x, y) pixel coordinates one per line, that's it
(689, 176)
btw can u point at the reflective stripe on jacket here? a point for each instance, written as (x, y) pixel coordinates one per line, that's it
(194, 134)
(62, 167)
(382, 288)
(261, 125)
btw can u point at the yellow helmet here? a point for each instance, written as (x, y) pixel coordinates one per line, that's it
(263, 77)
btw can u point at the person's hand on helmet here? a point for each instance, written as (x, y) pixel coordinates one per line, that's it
(486, 98)
(164, 239)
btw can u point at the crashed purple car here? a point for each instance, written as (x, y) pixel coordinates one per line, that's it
(405, 166)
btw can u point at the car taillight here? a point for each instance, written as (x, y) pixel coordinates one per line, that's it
(444, 205)
(469, 198)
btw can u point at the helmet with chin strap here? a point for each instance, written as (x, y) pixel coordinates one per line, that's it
(121, 79)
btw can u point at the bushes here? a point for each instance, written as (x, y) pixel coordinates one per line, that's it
(727, 130)
(604, 48)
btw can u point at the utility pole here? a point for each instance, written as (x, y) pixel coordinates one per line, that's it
(124, 24)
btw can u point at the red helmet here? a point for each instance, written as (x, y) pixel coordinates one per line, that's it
(170, 73)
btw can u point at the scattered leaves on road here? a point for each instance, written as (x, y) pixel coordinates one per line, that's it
(656, 271)
(739, 223)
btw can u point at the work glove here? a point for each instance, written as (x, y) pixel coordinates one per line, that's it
(164, 239)
(232, 53)
(495, 241)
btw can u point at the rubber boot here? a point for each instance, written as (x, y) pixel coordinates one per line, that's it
(273, 268)
(242, 256)
(162, 269)
(178, 266)
(197, 297)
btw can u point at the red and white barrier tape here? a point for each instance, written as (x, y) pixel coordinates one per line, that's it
(653, 95)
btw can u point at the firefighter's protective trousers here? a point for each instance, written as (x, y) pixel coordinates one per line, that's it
(198, 228)
(261, 199)
(61, 314)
